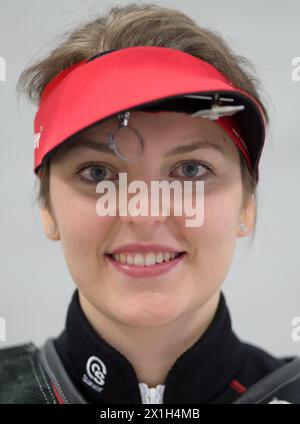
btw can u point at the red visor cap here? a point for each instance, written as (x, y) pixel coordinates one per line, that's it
(91, 91)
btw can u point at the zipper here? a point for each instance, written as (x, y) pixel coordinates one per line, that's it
(152, 394)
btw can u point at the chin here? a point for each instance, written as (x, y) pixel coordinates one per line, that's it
(149, 314)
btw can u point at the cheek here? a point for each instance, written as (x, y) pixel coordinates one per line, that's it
(82, 231)
(212, 244)
(221, 214)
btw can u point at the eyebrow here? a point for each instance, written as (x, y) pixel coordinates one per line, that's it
(105, 148)
(199, 144)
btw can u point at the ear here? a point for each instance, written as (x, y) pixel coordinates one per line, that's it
(50, 227)
(247, 217)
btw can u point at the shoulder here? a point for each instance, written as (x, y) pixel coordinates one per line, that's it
(268, 378)
(16, 351)
(259, 362)
(21, 378)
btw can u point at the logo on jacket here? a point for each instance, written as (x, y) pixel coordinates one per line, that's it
(95, 373)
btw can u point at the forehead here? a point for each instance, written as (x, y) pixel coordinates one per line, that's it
(162, 121)
(137, 117)
(176, 128)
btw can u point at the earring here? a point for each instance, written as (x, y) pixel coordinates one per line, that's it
(243, 227)
(52, 229)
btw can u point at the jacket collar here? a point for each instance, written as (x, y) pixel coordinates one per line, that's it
(102, 374)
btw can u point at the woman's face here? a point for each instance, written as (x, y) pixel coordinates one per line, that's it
(86, 236)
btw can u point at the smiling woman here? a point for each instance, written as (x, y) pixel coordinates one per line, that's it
(148, 321)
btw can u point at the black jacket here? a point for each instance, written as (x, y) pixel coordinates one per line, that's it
(81, 367)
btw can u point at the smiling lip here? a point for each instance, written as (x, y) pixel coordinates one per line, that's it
(138, 271)
(143, 248)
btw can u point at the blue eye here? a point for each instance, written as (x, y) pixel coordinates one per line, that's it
(93, 174)
(191, 169)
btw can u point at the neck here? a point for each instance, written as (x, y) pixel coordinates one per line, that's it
(152, 351)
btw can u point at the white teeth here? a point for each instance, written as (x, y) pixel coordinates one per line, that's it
(167, 256)
(150, 259)
(122, 258)
(140, 259)
(129, 259)
(159, 257)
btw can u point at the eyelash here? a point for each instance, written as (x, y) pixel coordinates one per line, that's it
(95, 164)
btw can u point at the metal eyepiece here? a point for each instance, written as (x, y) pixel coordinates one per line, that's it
(216, 110)
(126, 142)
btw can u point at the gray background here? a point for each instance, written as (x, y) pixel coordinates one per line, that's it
(262, 287)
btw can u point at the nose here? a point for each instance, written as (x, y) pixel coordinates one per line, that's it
(139, 206)
(142, 210)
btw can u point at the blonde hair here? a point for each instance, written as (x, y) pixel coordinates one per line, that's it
(135, 24)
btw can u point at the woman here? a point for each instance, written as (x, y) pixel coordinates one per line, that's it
(145, 92)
